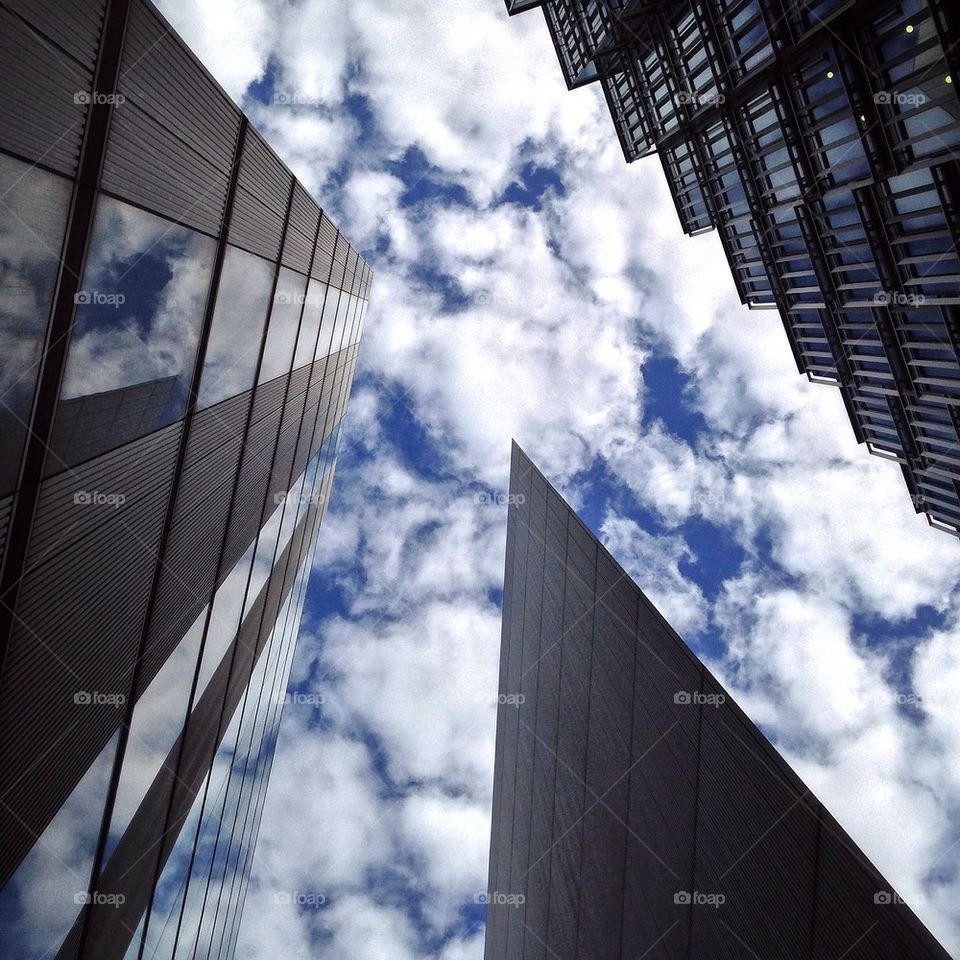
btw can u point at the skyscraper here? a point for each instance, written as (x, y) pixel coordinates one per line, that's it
(180, 326)
(821, 140)
(637, 812)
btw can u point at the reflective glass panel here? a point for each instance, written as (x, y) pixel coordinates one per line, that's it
(329, 317)
(40, 902)
(258, 755)
(288, 302)
(224, 619)
(158, 718)
(243, 299)
(239, 785)
(307, 341)
(33, 211)
(168, 896)
(263, 558)
(206, 841)
(135, 331)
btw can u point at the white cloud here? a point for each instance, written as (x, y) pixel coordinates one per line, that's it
(232, 38)
(653, 564)
(495, 321)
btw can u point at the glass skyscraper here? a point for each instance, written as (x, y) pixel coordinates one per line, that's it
(179, 327)
(637, 811)
(822, 141)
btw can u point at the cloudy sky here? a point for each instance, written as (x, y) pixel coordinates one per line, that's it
(530, 284)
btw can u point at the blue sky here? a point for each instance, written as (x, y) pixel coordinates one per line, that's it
(530, 285)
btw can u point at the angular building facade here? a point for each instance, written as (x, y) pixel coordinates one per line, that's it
(180, 326)
(637, 812)
(821, 140)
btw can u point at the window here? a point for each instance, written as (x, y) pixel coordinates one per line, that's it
(135, 332)
(288, 303)
(243, 300)
(33, 210)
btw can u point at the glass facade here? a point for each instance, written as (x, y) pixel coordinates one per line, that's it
(821, 141)
(33, 213)
(178, 350)
(637, 811)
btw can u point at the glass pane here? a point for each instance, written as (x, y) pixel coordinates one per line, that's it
(40, 902)
(33, 211)
(133, 949)
(240, 784)
(288, 302)
(307, 341)
(224, 619)
(258, 754)
(205, 841)
(243, 299)
(330, 309)
(168, 896)
(158, 718)
(134, 340)
(263, 558)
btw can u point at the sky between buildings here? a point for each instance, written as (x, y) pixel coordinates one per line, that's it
(530, 284)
